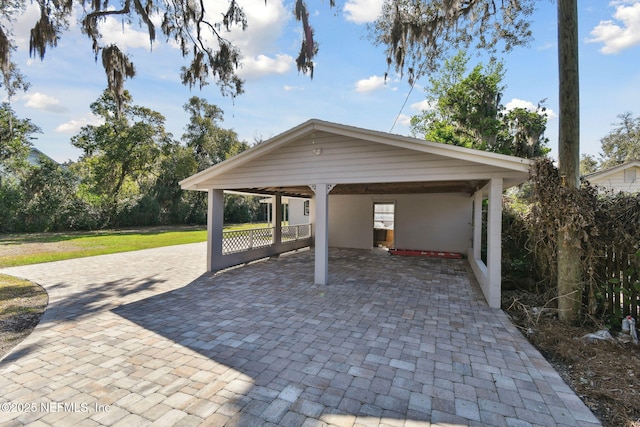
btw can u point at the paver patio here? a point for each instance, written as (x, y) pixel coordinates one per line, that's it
(148, 338)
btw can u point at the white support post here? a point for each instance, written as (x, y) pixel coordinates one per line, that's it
(321, 240)
(494, 243)
(277, 219)
(477, 225)
(215, 223)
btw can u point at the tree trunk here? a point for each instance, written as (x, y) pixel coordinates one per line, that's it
(569, 274)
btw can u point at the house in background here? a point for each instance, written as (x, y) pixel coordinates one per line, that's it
(35, 157)
(359, 182)
(295, 210)
(624, 177)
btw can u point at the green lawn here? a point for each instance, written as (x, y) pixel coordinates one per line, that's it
(24, 249)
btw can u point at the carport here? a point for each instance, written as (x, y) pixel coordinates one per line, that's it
(438, 191)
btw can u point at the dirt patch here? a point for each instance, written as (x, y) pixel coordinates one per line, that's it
(9, 249)
(21, 306)
(605, 374)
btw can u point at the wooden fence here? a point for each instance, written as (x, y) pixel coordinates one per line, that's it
(620, 269)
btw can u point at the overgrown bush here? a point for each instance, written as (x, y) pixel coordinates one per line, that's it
(145, 212)
(608, 226)
(517, 258)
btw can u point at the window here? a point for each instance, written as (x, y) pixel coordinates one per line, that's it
(383, 216)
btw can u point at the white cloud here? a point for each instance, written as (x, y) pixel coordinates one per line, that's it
(116, 32)
(520, 103)
(370, 84)
(24, 22)
(263, 65)
(40, 101)
(404, 120)
(362, 11)
(266, 23)
(614, 36)
(546, 46)
(424, 105)
(112, 29)
(73, 126)
(288, 88)
(530, 106)
(258, 43)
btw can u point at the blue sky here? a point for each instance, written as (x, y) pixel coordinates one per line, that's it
(348, 85)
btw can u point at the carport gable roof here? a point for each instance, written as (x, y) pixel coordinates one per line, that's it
(396, 159)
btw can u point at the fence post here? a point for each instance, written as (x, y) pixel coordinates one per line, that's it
(633, 283)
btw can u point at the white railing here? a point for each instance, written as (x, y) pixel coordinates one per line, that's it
(244, 240)
(295, 232)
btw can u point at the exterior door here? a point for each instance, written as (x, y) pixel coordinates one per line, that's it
(383, 224)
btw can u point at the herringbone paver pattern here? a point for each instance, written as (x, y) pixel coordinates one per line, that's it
(145, 338)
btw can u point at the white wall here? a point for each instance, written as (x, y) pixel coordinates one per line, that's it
(296, 212)
(439, 222)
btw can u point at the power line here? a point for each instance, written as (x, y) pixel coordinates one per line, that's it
(402, 108)
(406, 98)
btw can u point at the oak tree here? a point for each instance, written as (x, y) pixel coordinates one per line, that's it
(122, 150)
(209, 142)
(466, 107)
(466, 110)
(622, 144)
(15, 139)
(197, 27)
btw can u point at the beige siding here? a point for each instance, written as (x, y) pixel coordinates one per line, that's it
(344, 160)
(616, 181)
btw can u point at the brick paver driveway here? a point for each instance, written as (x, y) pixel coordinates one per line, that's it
(146, 338)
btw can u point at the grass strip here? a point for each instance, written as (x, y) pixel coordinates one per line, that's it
(83, 245)
(35, 248)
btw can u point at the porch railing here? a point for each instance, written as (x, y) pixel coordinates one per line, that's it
(295, 232)
(244, 240)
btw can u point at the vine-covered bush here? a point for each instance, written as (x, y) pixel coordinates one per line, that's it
(607, 230)
(517, 257)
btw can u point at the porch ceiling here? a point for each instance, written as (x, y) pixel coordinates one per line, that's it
(469, 187)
